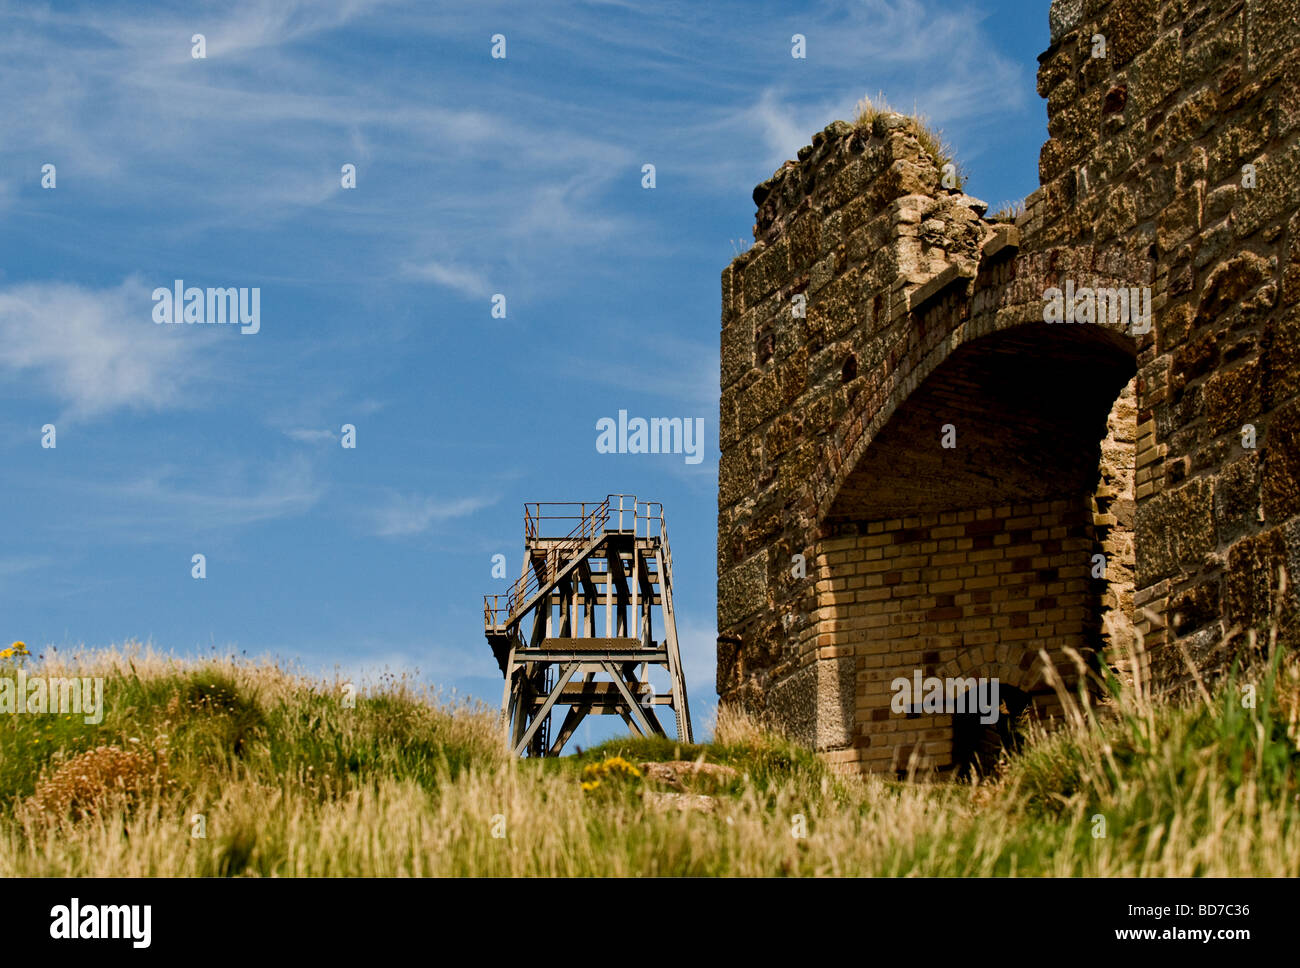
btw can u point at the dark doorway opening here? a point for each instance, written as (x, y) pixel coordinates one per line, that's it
(977, 746)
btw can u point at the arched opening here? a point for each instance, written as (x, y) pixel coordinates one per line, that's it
(963, 540)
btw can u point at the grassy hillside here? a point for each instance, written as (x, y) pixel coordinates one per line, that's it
(283, 778)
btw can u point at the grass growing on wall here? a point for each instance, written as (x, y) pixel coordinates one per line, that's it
(870, 110)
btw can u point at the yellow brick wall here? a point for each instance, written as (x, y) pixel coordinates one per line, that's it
(960, 593)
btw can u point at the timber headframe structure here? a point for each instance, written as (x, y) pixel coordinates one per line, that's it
(586, 564)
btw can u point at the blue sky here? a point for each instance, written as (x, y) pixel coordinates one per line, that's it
(475, 176)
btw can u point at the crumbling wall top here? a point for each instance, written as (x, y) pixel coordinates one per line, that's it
(846, 162)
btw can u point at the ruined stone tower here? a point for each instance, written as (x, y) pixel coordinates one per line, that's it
(918, 472)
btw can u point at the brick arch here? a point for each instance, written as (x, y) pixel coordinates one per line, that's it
(934, 561)
(1009, 296)
(986, 662)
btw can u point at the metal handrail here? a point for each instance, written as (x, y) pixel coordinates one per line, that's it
(497, 614)
(589, 525)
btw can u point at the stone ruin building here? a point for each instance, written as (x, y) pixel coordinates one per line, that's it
(880, 316)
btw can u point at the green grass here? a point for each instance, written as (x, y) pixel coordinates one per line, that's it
(769, 761)
(285, 777)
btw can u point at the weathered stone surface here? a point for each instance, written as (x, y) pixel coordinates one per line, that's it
(1276, 193)
(1251, 579)
(1236, 499)
(1194, 608)
(1283, 358)
(926, 556)
(766, 272)
(744, 591)
(679, 774)
(1129, 28)
(1064, 16)
(1281, 474)
(793, 703)
(1274, 26)
(1233, 397)
(1175, 531)
(682, 802)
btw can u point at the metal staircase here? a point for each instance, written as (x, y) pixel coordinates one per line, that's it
(613, 563)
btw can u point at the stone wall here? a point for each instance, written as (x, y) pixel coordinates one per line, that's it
(1113, 509)
(877, 308)
(1146, 155)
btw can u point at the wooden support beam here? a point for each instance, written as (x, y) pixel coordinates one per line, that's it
(518, 715)
(593, 644)
(609, 604)
(566, 627)
(562, 571)
(645, 718)
(676, 674)
(572, 719)
(636, 586)
(619, 577)
(547, 706)
(541, 613)
(590, 598)
(507, 694)
(576, 650)
(645, 631)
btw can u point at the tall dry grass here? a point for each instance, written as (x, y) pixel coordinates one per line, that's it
(870, 110)
(282, 779)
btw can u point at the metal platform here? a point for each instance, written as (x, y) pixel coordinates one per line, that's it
(611, 567)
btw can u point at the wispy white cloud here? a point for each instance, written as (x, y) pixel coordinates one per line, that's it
(315, 413)
(307, 436)
(681, 371)
(130, 109)
(783, 127)
(168, 499)
(458, 278)
(245, 27)
(368, 662)
(407, 515)
(759, 117)
(162, 502)
(11, 567)
(97, 350)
